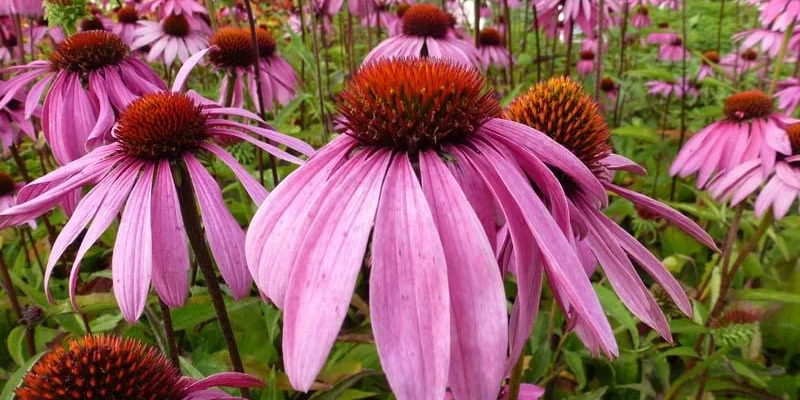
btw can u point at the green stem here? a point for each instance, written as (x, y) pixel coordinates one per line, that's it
(776, 74)
(516, 378)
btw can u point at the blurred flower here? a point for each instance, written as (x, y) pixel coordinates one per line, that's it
(788, 95)
(13, 122)
(768, 40)
(110, 367)
(665, 36)
(27, 8)
(737, 65)
(165, 8)
(780, 14)
(235, 12)
(126, 24)
(751, 130)
(426, 33)
(175, 36)
(641, 19)
(327, 7)
(672, 51)
(781, 180)
(493, 52)
(155, 134)
(232, 51)
(609, 87)
(670, 88)
(585, 62)
(709, 58)
(561, 109)
(437, 300)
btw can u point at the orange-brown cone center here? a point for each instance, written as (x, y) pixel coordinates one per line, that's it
(88, 51)
(748, 105)
(426, 20)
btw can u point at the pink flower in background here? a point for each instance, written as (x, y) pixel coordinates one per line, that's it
(737, 65)
(561, 109)
(174, 37)
(101, 61)
(13, 122)
(41, 31)
(585, 62)
(382, 16)
(27, 8)
(767, 40)
(779, 14)
(127, 22)
(672, 51)
(327, 7)
(232, 51)
(235, 12)
(641, 19)
(426, 33)
(165, 8)
(664, 36)
(670, 89)
(436, 293)
(493, 52)
(788, 95)
(710, 58)
(751, 130)
(781, 183)
(155, 134)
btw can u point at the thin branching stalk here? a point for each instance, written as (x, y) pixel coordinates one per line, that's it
(169, 333)
(776, 73)
(599, 53)
(568, 60)
(509, 43)
(516, 378)
(727, 249)
(719, 26)
(663, 136)
(684, 87)
(623, 45)
(477, 22)
(318, 76)
(212, 14)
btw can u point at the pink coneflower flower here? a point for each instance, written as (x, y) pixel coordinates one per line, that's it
(750, 130)
(126, 25)
(780, 14)
(709, 58)
(9, 47)
(493, 52)
(580, 12)
(232, 51)
(113, 77)
(610, 88)
(110, 367)
(670, 89)
(175, 36)
(672, 51)
(768, 40)
(27, 8)
(93, 23)
(165, 8)
(156, 134)
(737, 65)
(426, 34)
(327, 7)
(395, 27)
(641, 19)
(381, 15)
(781, 183)
(562, 110)
(13, 122)
(788, 95)
(235, 12)
(585, 64)
(436, 292)
(296, 25)
(665, 36)
(42, 30)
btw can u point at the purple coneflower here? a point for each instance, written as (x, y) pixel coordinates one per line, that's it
(562, 110)
(27, 8)
(42, 30)
(641, 19)
(665, 36)
(709, 58)
(585, 64)
(609, 87)
(235, 12)
(13, 122)
(126, 25)
(768, 40)
(780, 14)
(781, 182)
(156, 134)
(672, 51)
(738, 64)
(750, 130)
(493, 52)
(114, 368)
(670, 88)
(426, 33)
(788, 95)
(175, 36)
(168, 7)
(435, 289)
(327, 7)
(9, 47)
(91, 77)
(232, 51)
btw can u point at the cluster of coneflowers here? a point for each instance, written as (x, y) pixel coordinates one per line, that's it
(441, 189)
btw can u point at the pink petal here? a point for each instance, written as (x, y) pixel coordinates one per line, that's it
(225, 236)
(253, 188)
(409, 297)
(170, 250)
(478, 318)
(325, 271)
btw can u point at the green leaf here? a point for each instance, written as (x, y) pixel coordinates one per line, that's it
(768, 295)
(15, 379)
(682, 351)
(593, 395)
(575, 364)
(15, 344)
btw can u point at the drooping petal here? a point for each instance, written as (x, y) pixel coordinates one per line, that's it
(225, 236)
(229, 379)
(132, 260)
(183, 74)
(409, 300)
(253, 188)
(324, 274)
(170, 250)
(478, 318)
